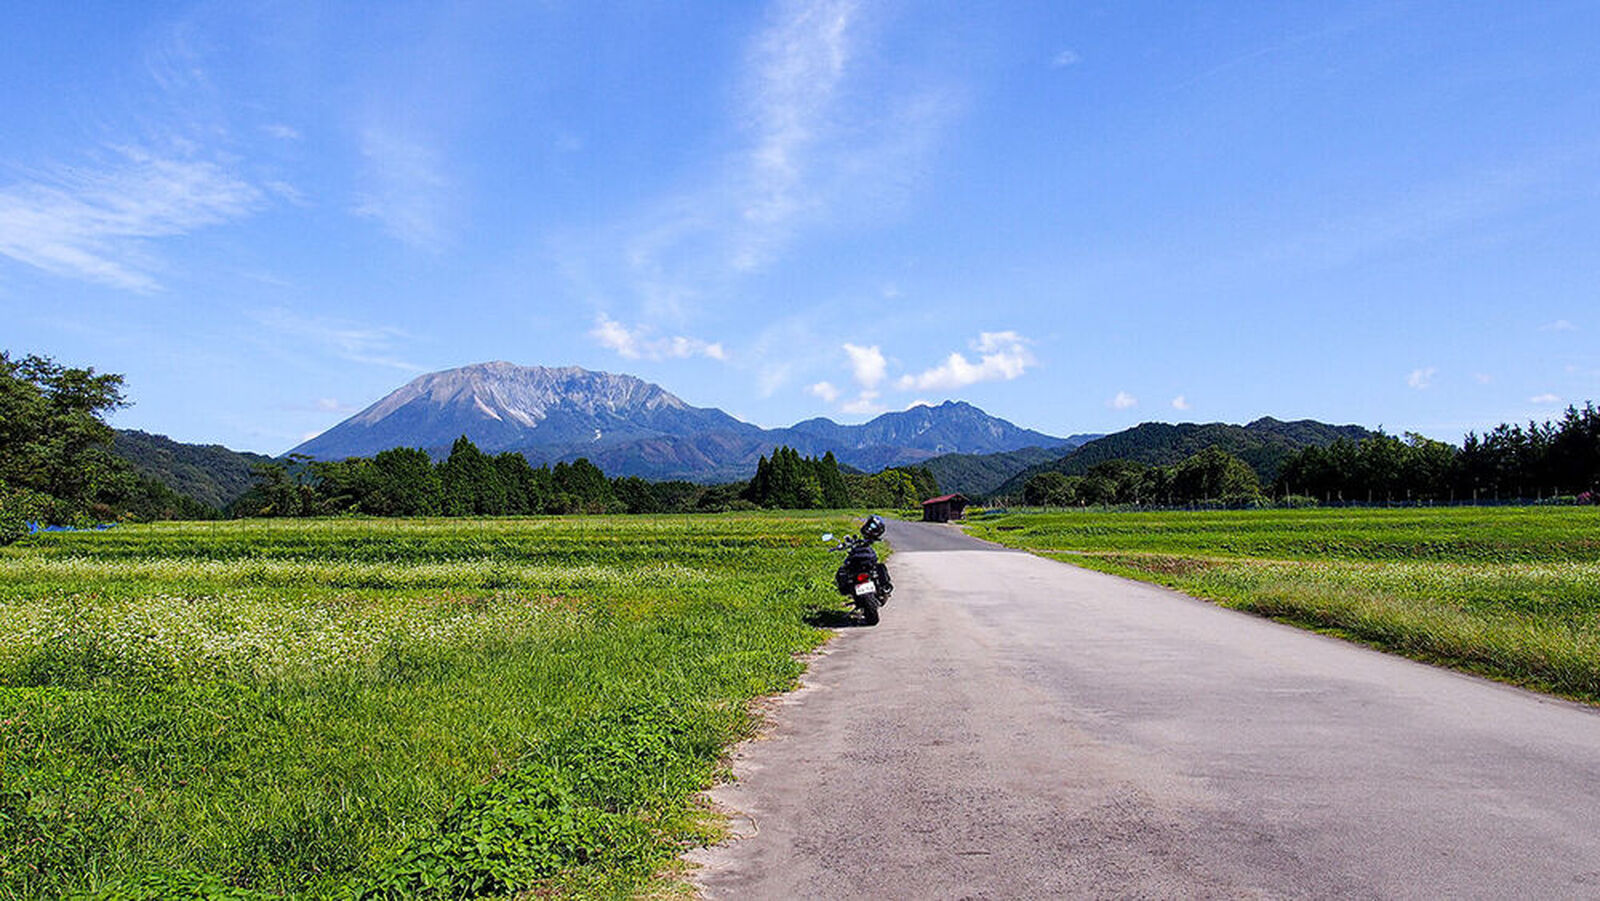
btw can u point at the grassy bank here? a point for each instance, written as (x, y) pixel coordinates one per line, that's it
(1512, 593)
(383, 708)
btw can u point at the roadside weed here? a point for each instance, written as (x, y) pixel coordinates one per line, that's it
(384, 709)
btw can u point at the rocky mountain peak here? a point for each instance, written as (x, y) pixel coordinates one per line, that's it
(630, 426)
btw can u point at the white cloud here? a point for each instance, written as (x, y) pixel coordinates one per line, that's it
(1122, 401)
(1482, 378)
(1544, 399)
(97, 224)
(1560, 325)
(1001, 356)
(638, 344)
(405, 191)
(865, 404)
(1422, 379)
(867, 364)
(828, 391)
(281, 131)
(1064, 59)
(1180, 403)
(344, 339)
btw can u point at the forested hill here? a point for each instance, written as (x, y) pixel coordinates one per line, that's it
(1264, 444)
(208, 473)
(978, 475)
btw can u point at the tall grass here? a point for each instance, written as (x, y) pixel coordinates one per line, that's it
(383, 708)
(1512, 593)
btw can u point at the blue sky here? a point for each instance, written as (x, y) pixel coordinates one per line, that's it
(1078, 216)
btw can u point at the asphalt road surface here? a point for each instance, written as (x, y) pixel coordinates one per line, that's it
(1020, 728)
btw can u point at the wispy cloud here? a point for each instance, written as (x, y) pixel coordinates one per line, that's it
(321, 405)
(1064, 59)
(334, 405)
(1422, 379)
(640, 344)
(1544, 399)
(342, 338)
(1560, 325)
(1122, 401)
(100, 223)
(818, 140)
(404, 190)
(1180, 403)
(1001, 356)
(797, 66)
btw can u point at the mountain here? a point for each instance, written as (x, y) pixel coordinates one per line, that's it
(502, 406)
(978, 475)
(1264, 444)
(628, 426)
(209, 473)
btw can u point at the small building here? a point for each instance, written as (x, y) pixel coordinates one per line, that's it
(944, 508)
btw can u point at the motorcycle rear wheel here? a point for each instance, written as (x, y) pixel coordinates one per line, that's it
(868, 606)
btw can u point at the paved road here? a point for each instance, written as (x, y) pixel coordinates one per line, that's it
(1019, 728)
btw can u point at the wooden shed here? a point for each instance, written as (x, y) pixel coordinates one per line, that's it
(944, 508)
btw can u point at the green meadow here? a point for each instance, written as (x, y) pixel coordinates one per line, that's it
(1512, 593)
(385, 708)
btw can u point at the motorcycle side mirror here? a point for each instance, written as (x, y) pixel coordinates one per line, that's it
(827, 536)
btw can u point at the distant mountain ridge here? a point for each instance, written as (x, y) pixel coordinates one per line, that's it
(628, 426)
(1264, 444)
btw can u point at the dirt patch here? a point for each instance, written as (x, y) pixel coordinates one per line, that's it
(1163, 565)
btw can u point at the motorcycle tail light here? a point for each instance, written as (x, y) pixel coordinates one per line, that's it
(862, 577)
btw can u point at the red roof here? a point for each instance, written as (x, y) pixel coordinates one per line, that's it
(943, 497)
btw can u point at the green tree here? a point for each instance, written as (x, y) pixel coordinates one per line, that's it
(1051, 489)
(526, 488)
(53, 438)
(581, 487)
(276, 492)
(407, 484)
(789, 481)
(1214, 474)
(469, 482)
(835, 493)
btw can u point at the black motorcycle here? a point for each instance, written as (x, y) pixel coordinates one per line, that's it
(861, 578)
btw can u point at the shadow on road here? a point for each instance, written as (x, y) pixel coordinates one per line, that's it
(827, 618)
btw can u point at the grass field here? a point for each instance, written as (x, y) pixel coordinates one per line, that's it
(384, 709)
(1512, 593)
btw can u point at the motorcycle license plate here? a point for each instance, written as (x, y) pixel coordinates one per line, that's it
(865, 588)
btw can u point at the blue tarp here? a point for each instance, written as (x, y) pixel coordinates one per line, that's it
(34, 528)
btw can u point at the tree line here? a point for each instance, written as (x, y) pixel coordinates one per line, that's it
(56, 465)
(407, 482)
(1549, 460)
(1554, 460)
(1212, 474)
